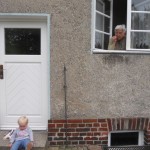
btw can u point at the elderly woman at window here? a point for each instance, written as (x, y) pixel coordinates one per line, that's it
(118, 41)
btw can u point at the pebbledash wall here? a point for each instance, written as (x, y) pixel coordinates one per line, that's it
(100, 87)
(94, 131)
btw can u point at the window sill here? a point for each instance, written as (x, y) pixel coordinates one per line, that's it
(98, 51)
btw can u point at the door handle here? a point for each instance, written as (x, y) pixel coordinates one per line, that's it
(1, 72)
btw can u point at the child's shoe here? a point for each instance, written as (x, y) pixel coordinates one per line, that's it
(29, 146)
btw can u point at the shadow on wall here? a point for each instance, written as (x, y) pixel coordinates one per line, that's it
(114, 59)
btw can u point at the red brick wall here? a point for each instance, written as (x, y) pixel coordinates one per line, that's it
(93, 131)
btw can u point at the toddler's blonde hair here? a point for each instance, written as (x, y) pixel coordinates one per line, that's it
(23, 120)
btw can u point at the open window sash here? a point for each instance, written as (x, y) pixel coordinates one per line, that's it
(102, 24)
(138, 27)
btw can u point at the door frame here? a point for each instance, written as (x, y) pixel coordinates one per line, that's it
(33, 17)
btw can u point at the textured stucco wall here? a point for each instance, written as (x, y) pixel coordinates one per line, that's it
(98, 85)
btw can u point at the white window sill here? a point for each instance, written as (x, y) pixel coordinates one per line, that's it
(98, 51)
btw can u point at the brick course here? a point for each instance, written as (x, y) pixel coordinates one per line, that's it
(93, 131)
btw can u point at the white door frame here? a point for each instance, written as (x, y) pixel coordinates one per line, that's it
(26, 18)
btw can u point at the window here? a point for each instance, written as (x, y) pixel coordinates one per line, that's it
(126, 138)
(109, 13)
(22, 41)
(139, 27)
(102, 20)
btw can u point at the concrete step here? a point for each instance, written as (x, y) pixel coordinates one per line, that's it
(35, 148)
(75, 147)
(40, 140)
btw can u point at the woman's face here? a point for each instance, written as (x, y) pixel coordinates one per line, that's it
(120, 34)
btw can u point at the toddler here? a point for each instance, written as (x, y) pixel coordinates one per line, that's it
(22, 137)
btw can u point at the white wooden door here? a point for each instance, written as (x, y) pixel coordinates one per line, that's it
(24, 86)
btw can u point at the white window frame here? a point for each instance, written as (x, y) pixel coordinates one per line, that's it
(129, 30)
(101, 31)
(129, 50)
(140, 137)
(94, 30)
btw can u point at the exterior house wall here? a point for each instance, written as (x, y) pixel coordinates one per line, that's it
(101, 86)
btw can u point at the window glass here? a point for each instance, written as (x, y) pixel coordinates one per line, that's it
(99, 22)
(140, 40)
(22, 41)
(124, 138)
(140, 18)
(102, 24)
(140, 21)
(99, 5)
(103, 6)
(101, 40)
(140, 5)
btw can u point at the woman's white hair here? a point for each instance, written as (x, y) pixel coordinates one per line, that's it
(120, 27)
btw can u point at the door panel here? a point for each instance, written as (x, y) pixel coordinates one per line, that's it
(24, 87)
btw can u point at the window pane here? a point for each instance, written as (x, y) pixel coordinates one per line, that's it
(22, 41)
(100, 6)
(103, 6)
(124, 138)
(102, 23)
(99, 22)
(140, 5)
(140, 40)
(101, 41)
(140, 21)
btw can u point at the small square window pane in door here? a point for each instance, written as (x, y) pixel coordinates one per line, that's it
(22, 41)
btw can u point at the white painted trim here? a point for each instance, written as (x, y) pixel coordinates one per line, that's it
(147, 31)
(111, 15)
(100, 51)
(99, 31)
(23, 17)
(128, 33)
(33, 17)
(93, 3)
(145, 12)
(49, 65)
(100, 13)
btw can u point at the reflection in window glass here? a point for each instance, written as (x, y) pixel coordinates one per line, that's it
(22, 41)
(103, 6)
(140, 40)
(140, 5)
(140, 21)
(99, 22)
(102, 23)
(99, 5)
(101, 41)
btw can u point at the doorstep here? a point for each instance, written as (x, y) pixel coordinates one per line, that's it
(40, 140)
